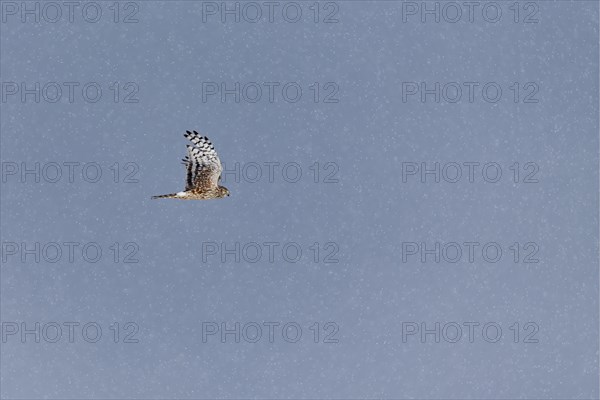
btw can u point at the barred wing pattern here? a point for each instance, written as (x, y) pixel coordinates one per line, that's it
(201, 163)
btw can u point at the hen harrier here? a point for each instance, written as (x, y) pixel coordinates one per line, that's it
(203, 169)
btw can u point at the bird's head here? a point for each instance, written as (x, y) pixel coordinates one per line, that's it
(223, 191)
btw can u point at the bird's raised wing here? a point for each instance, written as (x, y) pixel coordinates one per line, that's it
(202, 163)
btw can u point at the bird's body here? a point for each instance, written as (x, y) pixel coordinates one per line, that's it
(203, 171)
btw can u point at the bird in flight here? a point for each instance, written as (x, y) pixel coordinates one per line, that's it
(203, 171)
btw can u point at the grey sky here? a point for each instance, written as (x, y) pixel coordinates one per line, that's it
(365, 277)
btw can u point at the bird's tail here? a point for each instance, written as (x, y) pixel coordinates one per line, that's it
(166, 196)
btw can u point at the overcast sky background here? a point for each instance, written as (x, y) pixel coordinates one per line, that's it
(367, 135)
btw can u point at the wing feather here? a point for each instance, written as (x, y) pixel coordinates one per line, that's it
(203, 166)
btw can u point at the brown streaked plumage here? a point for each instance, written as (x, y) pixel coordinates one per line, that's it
(203, 171)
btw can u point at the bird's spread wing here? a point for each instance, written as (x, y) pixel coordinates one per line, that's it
(202, 163)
